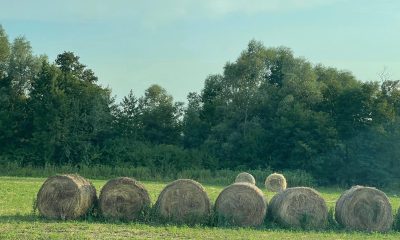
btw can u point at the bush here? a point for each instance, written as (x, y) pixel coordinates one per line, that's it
(297, 178)
(218, 177)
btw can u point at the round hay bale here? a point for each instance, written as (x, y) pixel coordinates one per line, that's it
(275, 182)
(241, 204)
(364, 209)
(299, 207)
(245, 177)
(123, 198)
(65, 197)
(184, 201)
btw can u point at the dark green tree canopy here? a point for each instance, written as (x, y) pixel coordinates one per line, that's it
(268, 109)
(69, 64)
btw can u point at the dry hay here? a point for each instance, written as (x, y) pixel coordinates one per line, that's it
(241, 204)
(245, 177)
(123, 198)
(65, 197)
(299, 207)
(364, 209)
(184, 201)
(275, 182)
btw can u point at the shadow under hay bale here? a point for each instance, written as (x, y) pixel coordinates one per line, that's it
(184, 201)
(65, 197)
(123, 199)
(241, 204)
(299, 207)
(246, 178)
(364, 209)
(275, 182)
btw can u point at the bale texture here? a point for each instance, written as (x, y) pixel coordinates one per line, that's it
(245, 177)
(123, 198)
(184, 201)
(275, 182)
(65, 197)
(364, 209)
(299, 207)
(241, 204)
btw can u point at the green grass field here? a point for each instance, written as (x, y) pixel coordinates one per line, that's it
(18, 221)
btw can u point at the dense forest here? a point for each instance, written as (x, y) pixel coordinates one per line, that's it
(268, 109)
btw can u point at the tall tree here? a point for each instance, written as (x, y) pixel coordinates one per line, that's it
(160, 116)
(5, 91)
(18, 67)
(69, 63)
(4, 52)
(128, 118)
(23, 66)
(77, 113)
(194, 128)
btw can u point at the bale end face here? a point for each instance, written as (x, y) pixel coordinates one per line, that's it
(299, 207)
(184, 201)
(364, 209)
(123, 198)
(275, 182)
(241, 204)
(246, 178)
(65, 197)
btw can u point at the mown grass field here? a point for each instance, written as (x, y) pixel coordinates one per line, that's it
(18, 221)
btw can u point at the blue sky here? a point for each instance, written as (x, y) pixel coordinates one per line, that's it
(131, 44)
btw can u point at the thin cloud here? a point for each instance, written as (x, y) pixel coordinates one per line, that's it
(223, 7)
(150, 12)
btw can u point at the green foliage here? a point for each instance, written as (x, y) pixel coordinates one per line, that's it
(34, 206)
(4, 51)
(267, 110)
(396, 223)
(222, 177)
(332, 224)
(68, 115)
(159, 116)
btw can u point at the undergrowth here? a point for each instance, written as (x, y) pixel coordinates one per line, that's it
(216, 177)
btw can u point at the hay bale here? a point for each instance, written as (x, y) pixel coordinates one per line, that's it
(275, 182)
(241, 204)
(364, 209)
(299, 207)
(123, 198)
(184, 201)
(65, 197)
(245, 177)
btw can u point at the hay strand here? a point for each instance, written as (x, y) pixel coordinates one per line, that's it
(275, 182)
(65, 197)
(299, 207)
(184, 201)
(364, 209)
(241, 204)
(245, 177)
(123, 198)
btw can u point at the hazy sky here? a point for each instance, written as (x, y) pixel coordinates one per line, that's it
(131, 44)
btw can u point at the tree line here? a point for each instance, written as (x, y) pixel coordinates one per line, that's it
(268, 109)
